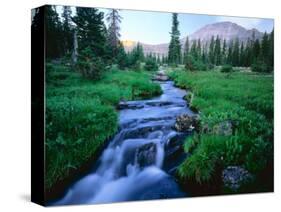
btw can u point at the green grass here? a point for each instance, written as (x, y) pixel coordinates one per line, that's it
(246, 99)
(81, 114)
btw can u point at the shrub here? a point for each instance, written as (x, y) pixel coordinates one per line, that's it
(226, 69)
(49, 70)
(89, 65)
(260, 66)
(136, 66)
(195, 65)
(150, 65)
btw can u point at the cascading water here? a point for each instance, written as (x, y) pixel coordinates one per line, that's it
(139, 162)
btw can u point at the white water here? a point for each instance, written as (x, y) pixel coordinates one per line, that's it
(143, 136)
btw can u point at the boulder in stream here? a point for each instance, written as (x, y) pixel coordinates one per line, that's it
(146, 155)
(160, 76)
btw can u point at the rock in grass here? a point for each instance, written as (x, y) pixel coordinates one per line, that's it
(234, 177)
(185, 122)
(225, 128)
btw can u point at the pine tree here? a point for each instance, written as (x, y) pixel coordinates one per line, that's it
(235, 53)
(242, 55)
(248, 53)
(121, 57)
(193, 50)
(67, 29)
(223, 53)
(91, 30)
(204, 55)
(271, 50)
(137, 55)
(174, 54)
(265, 48)
(212, 50)
(113, 33)
(198, 50)
(217, 51)
(54, 35)
(186, 50)
(256, 50)
(230, 53)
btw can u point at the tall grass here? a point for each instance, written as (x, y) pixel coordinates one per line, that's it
(244, 98)
(81, 115)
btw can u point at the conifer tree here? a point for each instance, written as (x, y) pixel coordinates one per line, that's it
(217, 51)
(256, 50)
(54, 35)
(186, 50)
(67, 29)
(271, 50)
(211, 50)
(174, 54)
(265, 48)
(91, 30)
(229, 53)
(193, 50)
(242, 55)
(235, 53)
(223, 53)
(198, 50)
(113, 33)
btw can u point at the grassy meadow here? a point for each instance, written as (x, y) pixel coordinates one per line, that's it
(81, 114)
(246, 100)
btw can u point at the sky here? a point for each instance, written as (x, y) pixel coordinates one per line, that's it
(154, 27)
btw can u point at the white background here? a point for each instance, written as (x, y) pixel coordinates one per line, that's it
(15, 104)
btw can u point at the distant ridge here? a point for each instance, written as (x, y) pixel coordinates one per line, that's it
(225, 30)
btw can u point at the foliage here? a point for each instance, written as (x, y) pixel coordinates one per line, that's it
(89, 65)
(91, 31)
(122, 58)
(67, 30)
(259, 66)
(78, 110)
(174, 54)
(113, 33)
(226, 69)
(75, 132)
(135, 57)
(235, 52)
(194, 65)
(245, 99)
(54, 33)
(201, 165)
(151, 65)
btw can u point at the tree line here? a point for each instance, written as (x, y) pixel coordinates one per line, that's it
(99, 45)
(195, 54)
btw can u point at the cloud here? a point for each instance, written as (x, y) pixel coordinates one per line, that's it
(248, 23)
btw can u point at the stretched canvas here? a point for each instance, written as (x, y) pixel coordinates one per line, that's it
(132, 105)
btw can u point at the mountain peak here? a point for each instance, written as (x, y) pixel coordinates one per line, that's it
(225, 30)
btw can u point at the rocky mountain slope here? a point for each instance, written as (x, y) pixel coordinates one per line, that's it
(225, 30)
